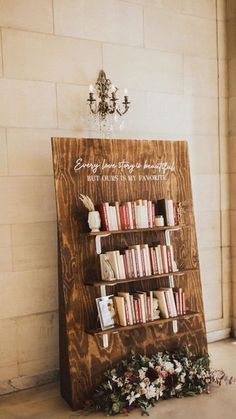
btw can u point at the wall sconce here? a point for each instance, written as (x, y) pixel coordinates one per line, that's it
(103, 100)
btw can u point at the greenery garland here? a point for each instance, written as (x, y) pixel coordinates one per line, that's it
(142, 381)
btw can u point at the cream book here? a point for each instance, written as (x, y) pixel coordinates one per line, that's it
(160, 295)
(126, 296)
(120, 309)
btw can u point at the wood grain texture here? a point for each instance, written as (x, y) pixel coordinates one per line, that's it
(82, 357)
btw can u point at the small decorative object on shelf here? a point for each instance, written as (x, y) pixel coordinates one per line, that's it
(142, 381)
(94, 219)
(180, 213)
(159, 221)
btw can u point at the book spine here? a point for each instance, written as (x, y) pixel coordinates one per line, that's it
(126, 313)
(144, 264)
(133, 209)
(136, 309)
(129, 207)
(117, 206)
(107, 211)
(126, 213)
(103, 214)
(154, 261)
(169, 261)
(153, 214)
(184, 302)
(126, 266)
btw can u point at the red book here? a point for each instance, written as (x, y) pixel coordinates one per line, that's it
(176, 297)
(133, 205)
(153, 214)
(103, 215)
(149, 211)
(140, 311)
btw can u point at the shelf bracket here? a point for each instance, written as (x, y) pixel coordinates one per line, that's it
(105, 338)
(175, 326)
(98, 242)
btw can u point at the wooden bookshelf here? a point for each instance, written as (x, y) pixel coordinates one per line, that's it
(135, 230)
(139, 279)
(83, 357)
(118, 329)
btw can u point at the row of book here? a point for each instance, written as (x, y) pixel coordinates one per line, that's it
(137, 214)
(127, 309)
(137, 261)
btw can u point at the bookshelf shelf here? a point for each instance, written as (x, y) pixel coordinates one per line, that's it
(135, 230)
(118, 329)
(139, 279)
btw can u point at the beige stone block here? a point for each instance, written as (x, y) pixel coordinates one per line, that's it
(206, 192)
(37, 366)
(27, 199)
(231, 9)
(212, 298)
(223, 116)
(37, 336)
(146, 69)
(221, 9)
(27, 104)
(225, 154)
(3, 153)
(210, 264)
(34, 234)
(200, 76)
(233, 191)
(232, 76)
(106, 20)
(201, 8)
(233, 231)
(231, 38)
(200, 33)
(1, 60)
(38, 256)
(226, 266)
(165, 113)
(27, 14)
(5, 249)
(5, 259)
(232, 154)
(33, 291)
(33, 56)
(208, 228)
(8, 346)
(5, 236)
(201, 115)
(223, 78)
(30, 151)
(204, 154)
(225, 227)
(222, 40)
(73, 112)
(225, 191)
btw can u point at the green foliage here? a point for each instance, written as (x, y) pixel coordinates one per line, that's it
(141, 381)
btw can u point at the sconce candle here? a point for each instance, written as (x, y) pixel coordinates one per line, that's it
(103, 98)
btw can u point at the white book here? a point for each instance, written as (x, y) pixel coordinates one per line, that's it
(138, 259)
(164, 259)
(121, 266)
(174, 265)
(170, 208)
(159, 259)
(135, 267)
(113, 218)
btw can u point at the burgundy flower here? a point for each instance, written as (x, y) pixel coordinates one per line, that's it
(152, 374)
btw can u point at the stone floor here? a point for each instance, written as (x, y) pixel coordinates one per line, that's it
(46, 403)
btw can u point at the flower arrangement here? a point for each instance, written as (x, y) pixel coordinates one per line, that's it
(88, 203)
(142, 381)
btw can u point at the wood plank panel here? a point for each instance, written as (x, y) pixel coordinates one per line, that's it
(82, 356)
